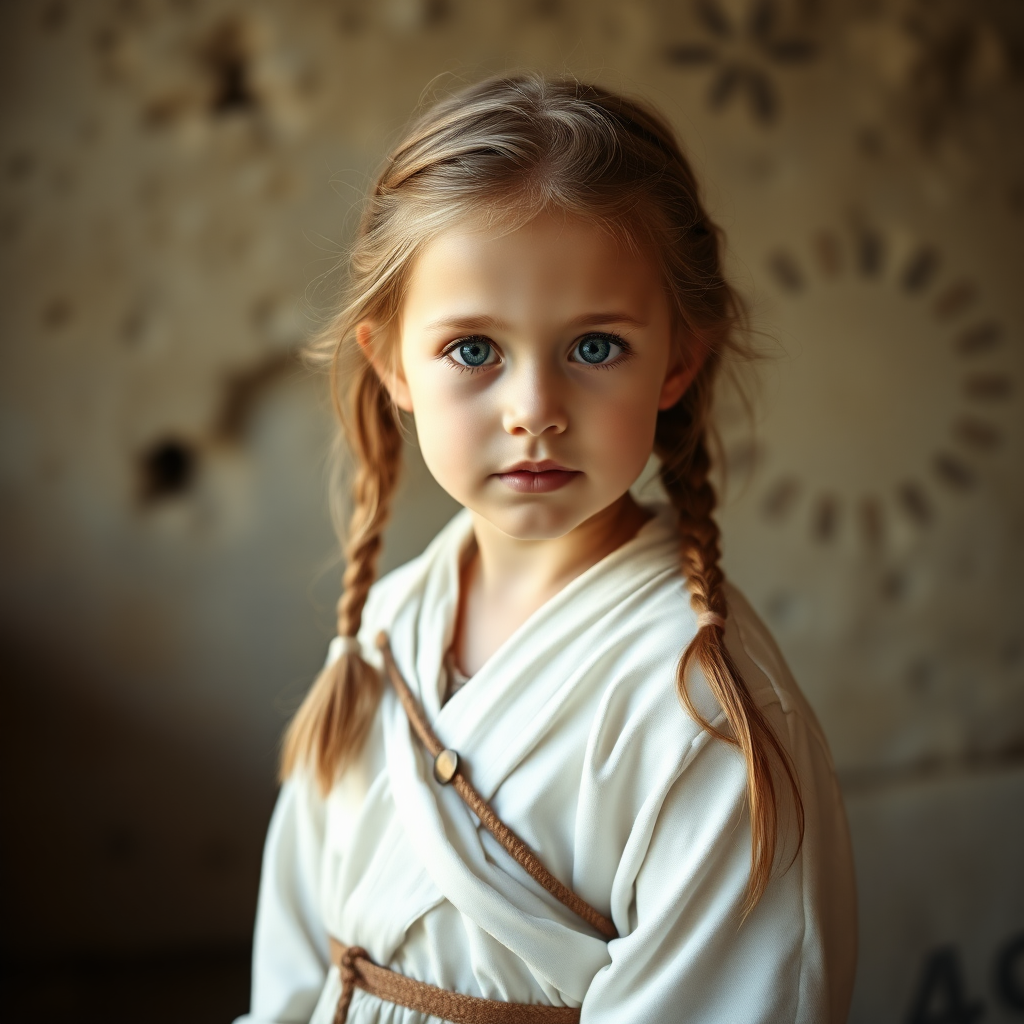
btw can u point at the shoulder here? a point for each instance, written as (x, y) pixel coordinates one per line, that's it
(641, 705)
(402, 591)
(765, 673)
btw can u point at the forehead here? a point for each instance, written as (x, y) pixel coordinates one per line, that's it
(553, 263)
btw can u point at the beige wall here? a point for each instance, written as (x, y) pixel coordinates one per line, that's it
(177, 181)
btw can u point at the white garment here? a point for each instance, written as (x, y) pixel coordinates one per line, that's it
(573, 730)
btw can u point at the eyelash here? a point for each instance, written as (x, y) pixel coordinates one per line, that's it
(616, 339)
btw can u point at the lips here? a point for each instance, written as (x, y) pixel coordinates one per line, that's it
(537, 477)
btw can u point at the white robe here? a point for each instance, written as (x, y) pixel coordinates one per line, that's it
(574, 732)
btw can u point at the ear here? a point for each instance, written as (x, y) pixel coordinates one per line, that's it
(684, 365)
(390, 371)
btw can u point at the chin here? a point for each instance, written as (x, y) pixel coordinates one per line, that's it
(535, 520)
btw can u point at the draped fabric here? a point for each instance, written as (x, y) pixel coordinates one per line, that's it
(574, 732)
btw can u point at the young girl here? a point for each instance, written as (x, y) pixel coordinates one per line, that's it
(555, 768)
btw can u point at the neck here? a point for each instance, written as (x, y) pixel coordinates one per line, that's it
(529, 572)
(506, 580)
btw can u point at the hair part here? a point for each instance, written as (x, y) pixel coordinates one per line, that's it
(506, 150)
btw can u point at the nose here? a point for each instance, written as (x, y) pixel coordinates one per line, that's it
(535, 402)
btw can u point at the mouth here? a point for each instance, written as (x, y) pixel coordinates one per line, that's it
(537, 477)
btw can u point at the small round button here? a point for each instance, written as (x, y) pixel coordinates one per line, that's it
(446, 764)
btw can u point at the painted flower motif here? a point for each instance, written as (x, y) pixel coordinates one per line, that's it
(744, 56)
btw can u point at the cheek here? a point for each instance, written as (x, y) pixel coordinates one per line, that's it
(449, 437)
(622, 432)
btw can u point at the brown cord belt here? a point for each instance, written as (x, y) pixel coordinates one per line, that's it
(359, 971)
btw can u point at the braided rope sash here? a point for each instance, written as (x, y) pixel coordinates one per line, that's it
(359, 971)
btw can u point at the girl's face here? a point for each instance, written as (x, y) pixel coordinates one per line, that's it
(535, 364)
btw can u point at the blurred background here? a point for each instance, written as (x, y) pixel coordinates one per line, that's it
(177, 181)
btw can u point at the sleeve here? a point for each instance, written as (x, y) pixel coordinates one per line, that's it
(690, 955)
(290, 955)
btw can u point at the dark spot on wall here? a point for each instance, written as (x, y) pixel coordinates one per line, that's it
(870, 142)
(1009, 973)
(167, 469)
(825, 521)
(780, 499)
(725, 84)
(920, 676)
(987, 386)
(351, 20)
(713, 18)
(979, 338)
(894, 585)
(915, 502)
(227, 59)
(954, 299)
(781, 607)
(436, 13)
(54, 16)
(57, 313)
(871, 522)
(953, 472)
(763, 103)
(742, 459)
(977, 433)
(547, 8)
(786, 271)
(920, 269)
(243, 389)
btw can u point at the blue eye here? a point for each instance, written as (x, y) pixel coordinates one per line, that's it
(473, 352)
(596, 349)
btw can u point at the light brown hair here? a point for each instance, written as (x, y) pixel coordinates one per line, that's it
(507, 149)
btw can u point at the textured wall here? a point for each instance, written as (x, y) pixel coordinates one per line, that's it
(176, 182)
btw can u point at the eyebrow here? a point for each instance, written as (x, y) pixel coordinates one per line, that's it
(490, 323)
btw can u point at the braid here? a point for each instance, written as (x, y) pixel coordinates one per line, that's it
(333, 721)
(684, 475)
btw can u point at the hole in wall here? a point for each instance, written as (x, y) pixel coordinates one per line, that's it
(167, 469)
(228, 61)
